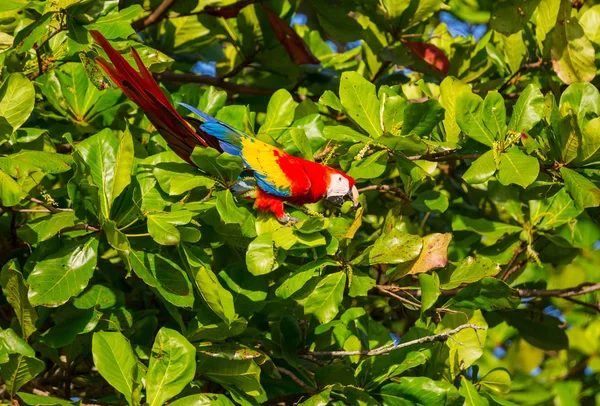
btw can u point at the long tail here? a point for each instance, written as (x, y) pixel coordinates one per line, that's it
(142, 89)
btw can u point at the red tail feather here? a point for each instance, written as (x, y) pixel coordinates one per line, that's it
(142, 89)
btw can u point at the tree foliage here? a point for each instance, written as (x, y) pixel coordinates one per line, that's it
(468, 274)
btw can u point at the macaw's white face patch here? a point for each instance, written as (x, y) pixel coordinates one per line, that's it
(338, 186)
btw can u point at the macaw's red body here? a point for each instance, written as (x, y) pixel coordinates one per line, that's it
(275, 176)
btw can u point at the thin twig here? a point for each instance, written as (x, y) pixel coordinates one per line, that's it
(155, 17)
(386, 188)
(298, 381)
(213, 81)
(449, 155)
(78, 227)
(387, 348)
(512, 261)
(395, 296)
(595, 307)
(49, 207)
(567, 292)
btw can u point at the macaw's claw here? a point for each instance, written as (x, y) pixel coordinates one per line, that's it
(288, 221)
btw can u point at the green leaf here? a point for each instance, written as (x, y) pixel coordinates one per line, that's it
(394, 247)
(230, 213)
(450, 88)
(582, 190)
(470, 119)
(110, 161)
(17, 98)
(494, 114)
(329, 99)
(11, 193)
(320, 399)
(488, 294)
(371, 167)
(280, 114)
(490, 230)
(221, 165)
(540, 330)
(260, 257)
(590, 23)
(116, 363)
(393, 113)
(573, 55)
(496, 381)
(302, 142)
(172, 366)
(430, 290)
(325, 300)
(44, 228)
(431, 201)
(69, 323)
(481, 170)
(359, 98)
(511, 16)
(19, 370)
(360, 284)
(590, 143)
(165, 275)
(34, 34)
(554, 211)
(421, 118)
(117, 25)
(517, 168)
(61, 275)
(528, 110)
(471, 270)
(39, 400)
(241, 375)
(96, 295)
(203, 399)
(15, 291)
(218, 299)
(13, 5)
(467, 346)
(161, 226)
(469, 392)
(298, 279)
(419, 390)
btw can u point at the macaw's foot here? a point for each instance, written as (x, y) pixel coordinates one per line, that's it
(287, 220)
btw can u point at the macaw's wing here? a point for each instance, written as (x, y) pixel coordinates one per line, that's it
(276, 172)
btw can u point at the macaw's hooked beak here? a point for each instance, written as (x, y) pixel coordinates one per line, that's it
(351, 196)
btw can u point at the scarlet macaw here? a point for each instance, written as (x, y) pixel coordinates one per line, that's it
(279, 177)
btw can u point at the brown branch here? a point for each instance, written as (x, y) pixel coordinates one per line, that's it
(513, 259)
(397, 297)
(443, 156)
(567, 292)
(386, 188)
(388, 348)
(213, 81)
(155, 17)
(78, 227)
(48, 207)
(525, 67)
(298, 381)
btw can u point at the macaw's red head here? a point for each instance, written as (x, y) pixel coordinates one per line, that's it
(341, 188)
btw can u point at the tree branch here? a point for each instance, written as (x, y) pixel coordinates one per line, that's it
(386, 188)
(155, 17)
(78, 227)
(298, 381)
(213, 81)
(443, 156)
(567, 292)
(48, 207)
(388, 348)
